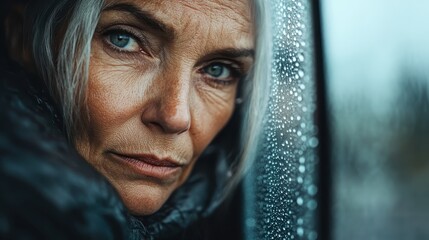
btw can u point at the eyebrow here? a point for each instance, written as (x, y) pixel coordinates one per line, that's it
(233, 53)
(143, 16)
(169, 32)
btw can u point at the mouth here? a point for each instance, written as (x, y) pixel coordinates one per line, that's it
(149, 165)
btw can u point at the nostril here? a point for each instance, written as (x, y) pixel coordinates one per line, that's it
(155, 126)
(167, 121)
(186, 128)
(175, 123)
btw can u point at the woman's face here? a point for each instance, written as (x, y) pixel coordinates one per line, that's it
(162, 84)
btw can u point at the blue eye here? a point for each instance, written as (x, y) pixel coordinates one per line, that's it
(119, 40)
(217, 70)
(123, 41)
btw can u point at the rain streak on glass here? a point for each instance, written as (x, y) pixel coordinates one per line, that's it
(283, 180)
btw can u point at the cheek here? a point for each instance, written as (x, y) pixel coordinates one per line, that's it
(108, 105)
(115, 86)
(104, 102)
(114, 91)
(209, 121)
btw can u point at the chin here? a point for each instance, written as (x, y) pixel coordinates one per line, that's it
(142, 199)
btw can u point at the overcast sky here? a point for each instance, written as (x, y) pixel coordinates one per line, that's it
(369, 42)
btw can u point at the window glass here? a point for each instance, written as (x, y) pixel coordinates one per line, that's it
(280, 193)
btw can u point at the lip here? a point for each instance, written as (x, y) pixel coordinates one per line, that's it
(149, 165)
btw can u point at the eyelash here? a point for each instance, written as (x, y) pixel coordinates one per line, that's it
(236, 74)
(143, 46)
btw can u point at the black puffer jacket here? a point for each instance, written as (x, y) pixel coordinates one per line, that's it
(49, 192)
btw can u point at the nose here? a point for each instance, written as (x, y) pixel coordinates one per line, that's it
(169, 108)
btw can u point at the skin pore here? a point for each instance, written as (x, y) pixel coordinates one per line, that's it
(162, 84)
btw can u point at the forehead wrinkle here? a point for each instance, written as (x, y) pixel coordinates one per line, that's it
(238, 11)
(238, 15)
(217, 21)
(129, 9)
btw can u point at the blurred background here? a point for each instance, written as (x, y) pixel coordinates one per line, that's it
(376, 87)
(377, 78)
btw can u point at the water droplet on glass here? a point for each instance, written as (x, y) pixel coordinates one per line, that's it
(312, 235)
(287, 186)
(299, 201)
(300, 231)
(312, 190)
(313, 142)
(312, 204)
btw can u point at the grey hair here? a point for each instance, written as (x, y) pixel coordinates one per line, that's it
(65, 68)
(256, 93)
